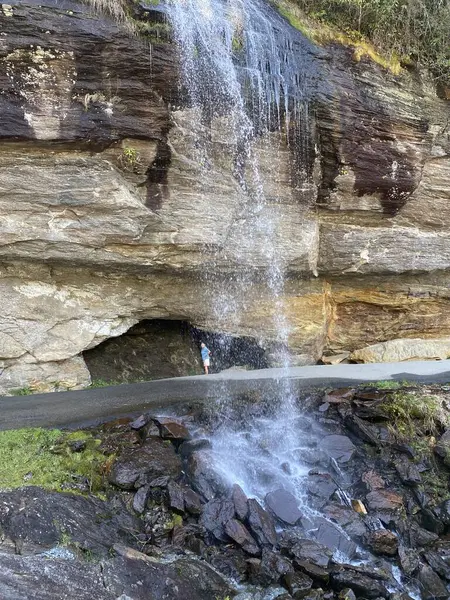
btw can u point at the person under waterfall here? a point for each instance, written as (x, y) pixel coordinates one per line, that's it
(205, 357)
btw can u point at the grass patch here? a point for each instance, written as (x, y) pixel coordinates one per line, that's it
(44, 457)
(415, 414)
(323, 34)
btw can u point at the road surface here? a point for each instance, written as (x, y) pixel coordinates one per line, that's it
(75, 408)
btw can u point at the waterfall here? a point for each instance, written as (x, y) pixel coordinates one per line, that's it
(243, 70)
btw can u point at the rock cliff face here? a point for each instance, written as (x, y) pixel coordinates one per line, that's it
(106, 217)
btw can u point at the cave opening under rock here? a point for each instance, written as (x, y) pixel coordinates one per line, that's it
(158, 348)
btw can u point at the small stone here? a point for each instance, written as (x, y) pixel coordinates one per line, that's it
(347, 594)
(359, 507)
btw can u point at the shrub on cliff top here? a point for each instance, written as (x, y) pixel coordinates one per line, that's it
(411, 29)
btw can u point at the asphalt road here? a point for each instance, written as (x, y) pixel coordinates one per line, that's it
(90, 406)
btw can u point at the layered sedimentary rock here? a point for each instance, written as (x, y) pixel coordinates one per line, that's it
(108, 215)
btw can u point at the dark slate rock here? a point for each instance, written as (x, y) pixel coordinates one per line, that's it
(420, 537)
(192, 501)
(363, 584)
(231, 562)
(187, 448)
(203, 476)
(215, 514)
(339, 447)
(312, 552)
(140, 422)
(430, 521)
(297, 583)
(240, 502)
(408, 472)
(438, 564)
(318, 574)
(240, 534)
(443, 512)
(443, 446)
(409, 560)
(183, 579)
(284, 506)
(321, 485)
(432, 586)
(333, 538)
(272, 567)
(385, 500)
(136, 467)
(352, 522)
(365, 432)
(37, 519)
(23, 577)
(176, 496)
(261, 524)
(140, 499)
(172, 429)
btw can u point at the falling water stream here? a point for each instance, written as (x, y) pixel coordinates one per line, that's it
(244, 71)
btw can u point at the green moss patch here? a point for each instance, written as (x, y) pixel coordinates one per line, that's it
(51, 459)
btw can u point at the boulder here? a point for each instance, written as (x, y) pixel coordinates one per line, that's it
(190, 446)
(241, 536)
(215, 515)
(283, 506)
(136, 467)
(192, 501)
(47, 578)
(382, 541)
(261, 524)
(439, 563)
